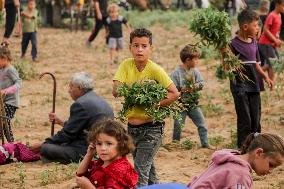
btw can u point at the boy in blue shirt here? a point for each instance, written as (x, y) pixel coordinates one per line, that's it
(190, 58)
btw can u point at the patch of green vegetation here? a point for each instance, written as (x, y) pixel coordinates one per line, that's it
(233, 144)
(168, 19)
(216, 141)
(25, 69)
(188, 144)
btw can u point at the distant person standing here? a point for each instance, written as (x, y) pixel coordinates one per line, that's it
(272, 7)
(100, 18)
(114, 32)
(30, 29)
(270, 40)
(11, 7)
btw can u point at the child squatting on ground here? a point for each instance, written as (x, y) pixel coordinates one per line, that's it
(29, 19)
(246, 93)
(114, 32)
(270, 38)
(232, 169)
(190, 58)
(111, 143)
(147, 135)
(10, 83)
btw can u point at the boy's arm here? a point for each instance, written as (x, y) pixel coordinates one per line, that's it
(172, 95)
(116, 84)
(266, 78)
(128, 27)
(274, 39)
(24, 14)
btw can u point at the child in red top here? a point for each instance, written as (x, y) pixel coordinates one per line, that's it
(110, 141)
(269, 39)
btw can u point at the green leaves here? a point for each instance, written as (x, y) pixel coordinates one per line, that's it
(190, 100)
(213, 26)
(147, 94)
(214, 29)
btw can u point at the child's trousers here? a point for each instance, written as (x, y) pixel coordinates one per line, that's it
(147, 140)
(248, 109)
(198, 119)
(11, 12)
(27, 37)
(10, 112)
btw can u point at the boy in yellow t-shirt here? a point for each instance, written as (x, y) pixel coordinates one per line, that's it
(147, 135)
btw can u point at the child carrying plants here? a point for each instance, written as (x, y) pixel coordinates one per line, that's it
(246, 92)
(111, 143)
(29, 18)
(232, 169)
(189, 81)
(270, 38)
(146, 133)
(114, 32)
(10, 84)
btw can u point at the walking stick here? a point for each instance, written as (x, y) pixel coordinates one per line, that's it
(53, 99)
(3, 122)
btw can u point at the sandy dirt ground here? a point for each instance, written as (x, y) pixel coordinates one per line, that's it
(63, 53)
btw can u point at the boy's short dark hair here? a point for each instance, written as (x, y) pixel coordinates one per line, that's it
(189, 52)
(141, 32)
(279, 2)
(247, 16)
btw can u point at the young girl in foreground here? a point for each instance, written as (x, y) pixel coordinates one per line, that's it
(10, 83)
(232, 169)
(111, 143)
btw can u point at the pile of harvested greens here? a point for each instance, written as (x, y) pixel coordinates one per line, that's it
(147, 94)
(190, 99)
(214, 29)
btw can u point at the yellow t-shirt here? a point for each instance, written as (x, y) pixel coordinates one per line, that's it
(128, 73)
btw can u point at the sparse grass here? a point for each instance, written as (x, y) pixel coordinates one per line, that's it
(233, 144)
(25, 69)
(168, 19)
(216, 141)
(211, 109)
(21, 172)
(188, 144)
(58, 173)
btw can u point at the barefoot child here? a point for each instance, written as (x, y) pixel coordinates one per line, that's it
(111, 143)
(233, 169)
(190, 58)
(10, 84)
(147, 135)
(246, 92)
(114, 32)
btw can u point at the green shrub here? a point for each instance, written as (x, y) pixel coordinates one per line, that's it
(25, 69)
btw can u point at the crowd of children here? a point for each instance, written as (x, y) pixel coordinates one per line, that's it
(106, 166)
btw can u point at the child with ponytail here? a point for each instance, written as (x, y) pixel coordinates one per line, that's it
(232, 168)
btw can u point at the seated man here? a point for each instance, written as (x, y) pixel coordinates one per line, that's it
(69, 144)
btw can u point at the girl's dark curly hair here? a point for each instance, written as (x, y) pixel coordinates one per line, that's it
(115, 129)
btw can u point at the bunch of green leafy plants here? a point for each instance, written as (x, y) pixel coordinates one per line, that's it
(190, 99)
(147, 94)
(214, 29)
